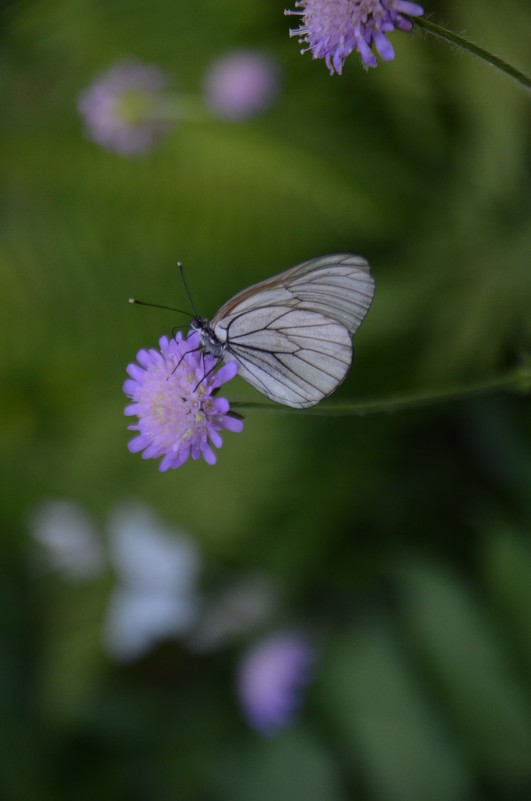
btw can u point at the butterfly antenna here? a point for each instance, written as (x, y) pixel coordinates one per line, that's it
(180, 266)
(158, 306)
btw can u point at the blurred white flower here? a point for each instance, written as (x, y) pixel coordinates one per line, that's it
(69, 540)
(156, 593)
(234, 611)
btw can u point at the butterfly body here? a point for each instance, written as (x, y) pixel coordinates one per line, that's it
(291, 334)
(208, 341)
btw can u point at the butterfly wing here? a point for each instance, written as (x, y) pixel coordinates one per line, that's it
(339, 286)
(291, 334)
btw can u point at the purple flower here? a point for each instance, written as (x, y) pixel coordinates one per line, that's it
(125, 109)
(332, 29)
(241, 84)
(271, 677)
(173, 397)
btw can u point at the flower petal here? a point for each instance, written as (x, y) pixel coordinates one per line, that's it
(413, 9)
(232, 423)
(219, 405)
(136, 372)
(383, 46)
(208, 454)
(215, 438)
(224, 374)
(137, 444)
(130, 386)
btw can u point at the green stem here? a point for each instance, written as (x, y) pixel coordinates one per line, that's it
(453, 38)
(179, 107)
(518, 380)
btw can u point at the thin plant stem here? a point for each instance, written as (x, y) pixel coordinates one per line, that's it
(518, 380)
(454, 38)
(180, 107)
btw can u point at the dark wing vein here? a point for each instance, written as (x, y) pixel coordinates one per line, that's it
(296, 364)
(340, 287)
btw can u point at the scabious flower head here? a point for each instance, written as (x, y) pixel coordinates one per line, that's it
(241, 84)
(173, 392)
(271, 678)
(125, 109)
(332, 29)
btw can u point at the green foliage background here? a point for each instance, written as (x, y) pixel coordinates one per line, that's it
(402, 541)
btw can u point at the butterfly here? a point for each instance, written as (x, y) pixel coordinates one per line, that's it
(291, 334)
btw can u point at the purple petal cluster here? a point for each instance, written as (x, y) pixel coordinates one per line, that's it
(241, 84)
(125, 110)
(173, 392)
(332, 29)
(271, 679)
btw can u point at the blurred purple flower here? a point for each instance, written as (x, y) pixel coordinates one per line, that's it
(241, 84)
(271, 678)
(173, 397)
(156, 594)
(69, 540)
(332, 29)
(125, 109)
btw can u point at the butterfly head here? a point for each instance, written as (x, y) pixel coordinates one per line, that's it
(209, 342)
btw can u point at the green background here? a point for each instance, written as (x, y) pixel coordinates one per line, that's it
(401, 541)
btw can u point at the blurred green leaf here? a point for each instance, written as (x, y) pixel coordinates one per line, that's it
(389, 727)
(73, 658)
(475, 679)
(507, 568)
(293, 765)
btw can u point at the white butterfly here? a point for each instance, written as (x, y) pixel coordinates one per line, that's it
(291, 334)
